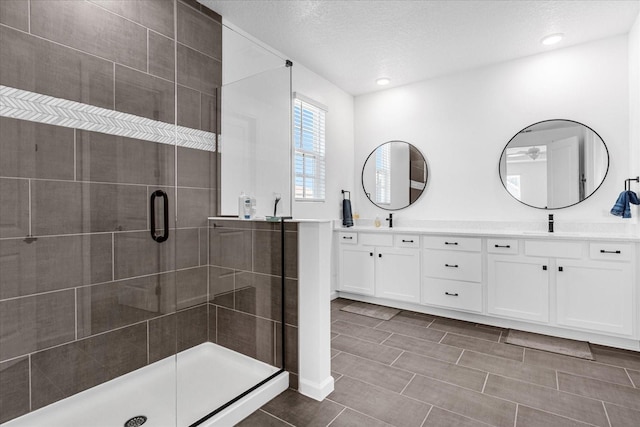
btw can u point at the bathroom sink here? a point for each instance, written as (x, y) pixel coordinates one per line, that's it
(558, 233)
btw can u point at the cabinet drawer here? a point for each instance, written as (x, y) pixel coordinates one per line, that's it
(348, 238)
(611, 251)
(452, 243)
(553, 249)
(376, 239)
(502, 246)
(453, 265)
(453, 294)
(407, 241)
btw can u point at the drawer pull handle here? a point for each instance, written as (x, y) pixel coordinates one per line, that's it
(450, 294)
(502, 246)
(602, 251)
(451, 265)
(379, 255)
(407, 241)
(347, 237)
(370, 253)
(560, 268)
(451, 243)
(544, 267)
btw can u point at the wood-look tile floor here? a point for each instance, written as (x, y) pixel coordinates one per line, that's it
(422, 370)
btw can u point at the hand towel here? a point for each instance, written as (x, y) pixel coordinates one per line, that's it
(347, 219)
(622, 207)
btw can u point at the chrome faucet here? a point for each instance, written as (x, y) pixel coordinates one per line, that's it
(390, 219)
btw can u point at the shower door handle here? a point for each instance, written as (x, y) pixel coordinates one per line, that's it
(152, 213)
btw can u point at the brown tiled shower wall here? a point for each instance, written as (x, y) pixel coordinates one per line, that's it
(246, 290)
(91, 296)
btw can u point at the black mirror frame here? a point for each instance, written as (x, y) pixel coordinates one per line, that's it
(504, 150)
(365, 163)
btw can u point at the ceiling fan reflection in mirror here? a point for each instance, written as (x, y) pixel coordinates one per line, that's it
(533, 153)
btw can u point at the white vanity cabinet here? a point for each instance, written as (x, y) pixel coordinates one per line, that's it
(579, 285)
(573, 287)
(518, 287)
(597, 293)
(452, 272)
(381, 265)
(397, 274)
(356, 265)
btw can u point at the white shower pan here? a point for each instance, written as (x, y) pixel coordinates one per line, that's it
(197, 381)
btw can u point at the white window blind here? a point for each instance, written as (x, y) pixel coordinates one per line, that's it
(383, 174)
(308, 138)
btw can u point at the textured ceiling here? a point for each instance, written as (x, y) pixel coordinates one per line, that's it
(351, 43)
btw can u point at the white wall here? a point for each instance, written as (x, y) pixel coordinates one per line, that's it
(462, 122)
(339, 143)
(634, 105)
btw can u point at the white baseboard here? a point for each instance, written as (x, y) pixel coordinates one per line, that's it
(317, 391)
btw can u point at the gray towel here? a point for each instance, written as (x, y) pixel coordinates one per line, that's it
(347, 218)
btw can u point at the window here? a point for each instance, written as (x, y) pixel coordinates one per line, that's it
(308, 139)
(383, 174)
(513, 186)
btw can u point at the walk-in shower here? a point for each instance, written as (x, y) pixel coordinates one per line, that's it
(121, 303)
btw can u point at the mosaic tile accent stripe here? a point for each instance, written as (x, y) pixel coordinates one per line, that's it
(25, 105)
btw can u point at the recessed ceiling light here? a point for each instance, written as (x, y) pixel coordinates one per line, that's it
(383, 81)
(552, 39)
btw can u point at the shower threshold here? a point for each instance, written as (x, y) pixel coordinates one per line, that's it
(208, 376)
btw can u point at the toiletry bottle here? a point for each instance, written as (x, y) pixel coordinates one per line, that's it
(377, 222)
(247, 208)
(241, 199)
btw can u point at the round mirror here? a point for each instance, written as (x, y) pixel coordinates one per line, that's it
(554, 164)
(394, 175)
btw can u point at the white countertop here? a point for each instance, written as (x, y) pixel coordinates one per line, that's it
(468, 230)
(526, 234)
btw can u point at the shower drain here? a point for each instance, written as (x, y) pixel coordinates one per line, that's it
(136, 421)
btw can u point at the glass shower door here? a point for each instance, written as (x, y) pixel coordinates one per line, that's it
(87, 163)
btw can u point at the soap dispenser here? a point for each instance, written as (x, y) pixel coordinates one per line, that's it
(246, 206)
(241, 201)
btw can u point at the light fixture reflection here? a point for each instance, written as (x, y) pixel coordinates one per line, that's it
(552, 39)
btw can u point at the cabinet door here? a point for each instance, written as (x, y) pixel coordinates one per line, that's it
(398, 274)
(595, 295)
(518, 287)
(356, 269)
